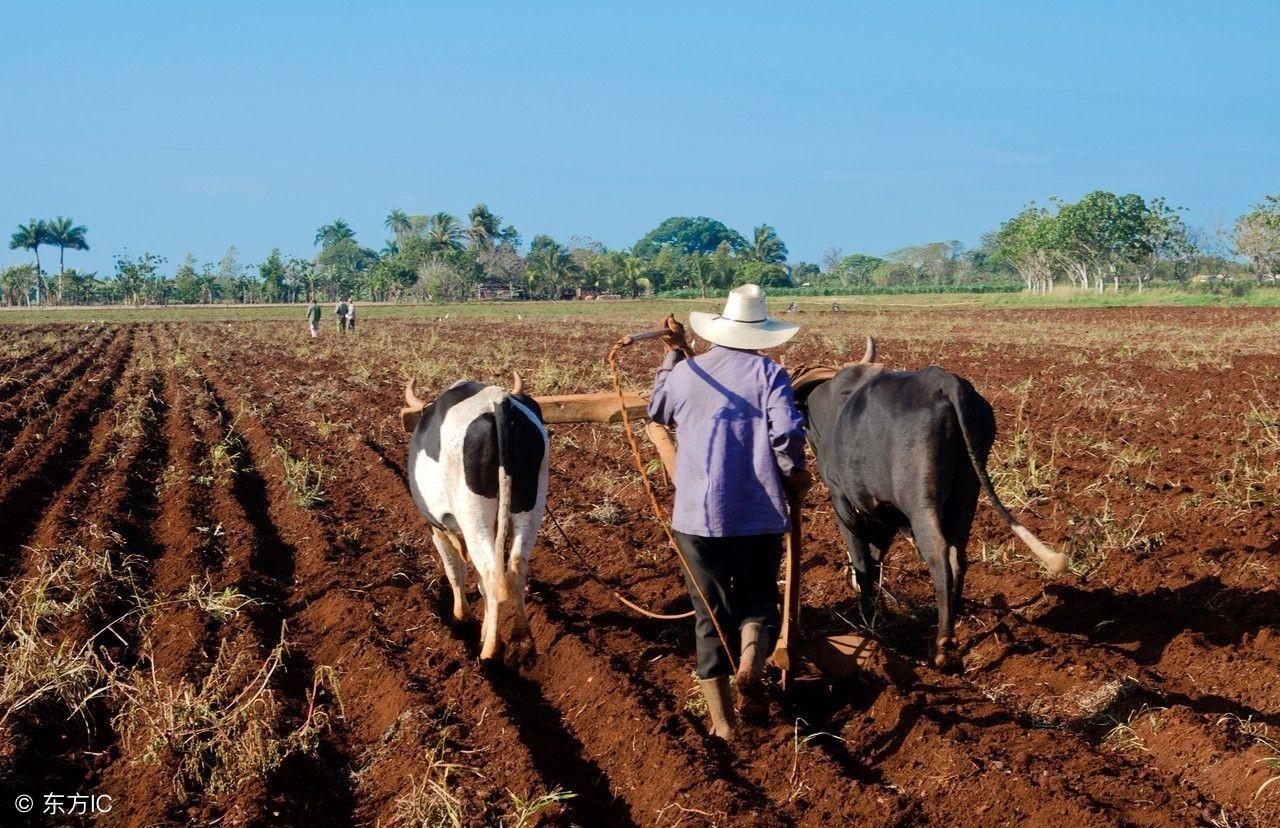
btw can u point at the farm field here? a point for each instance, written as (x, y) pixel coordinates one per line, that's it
(220, 602)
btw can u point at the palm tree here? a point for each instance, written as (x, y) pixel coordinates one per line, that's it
(444, 233)
(484, 227)
(66, 235)
(30, 236)
(398, 222)
(333, 232)
(767, 247)
(633, 275)
(700, 271)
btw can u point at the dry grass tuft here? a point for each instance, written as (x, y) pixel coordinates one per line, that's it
(40, 660)
(222, 732)
(523, 811)
(432, 801)
(304, 477)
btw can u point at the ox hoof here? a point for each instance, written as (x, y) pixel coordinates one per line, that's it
(948, 661)
(461, 615)
(521, 652)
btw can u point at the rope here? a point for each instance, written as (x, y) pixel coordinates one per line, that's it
(589, 572)
(653, 497)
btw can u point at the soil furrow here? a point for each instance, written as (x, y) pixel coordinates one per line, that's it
(337, 608)
(47, 455)
(37, 397)
(111, 486)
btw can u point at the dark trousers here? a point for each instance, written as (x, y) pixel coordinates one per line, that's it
(739, 576)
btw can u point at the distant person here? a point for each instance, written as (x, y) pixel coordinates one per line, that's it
(351, 313)
(313, 317)
(341, 313)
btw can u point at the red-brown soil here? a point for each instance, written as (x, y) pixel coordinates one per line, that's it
(1140, 688)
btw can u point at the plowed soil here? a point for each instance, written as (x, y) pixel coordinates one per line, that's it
(1140, 688)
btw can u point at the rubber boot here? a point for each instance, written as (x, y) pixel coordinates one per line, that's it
(716, 692)
(757, 644)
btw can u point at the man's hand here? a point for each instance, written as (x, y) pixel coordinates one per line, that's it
(673, 339)
(797, 483)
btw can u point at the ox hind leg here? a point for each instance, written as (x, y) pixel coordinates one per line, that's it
(935, 551)
(525, 526)
(477, 531)
(455, 569)
(957, 522)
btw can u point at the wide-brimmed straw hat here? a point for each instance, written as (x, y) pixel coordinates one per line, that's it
(744, 322)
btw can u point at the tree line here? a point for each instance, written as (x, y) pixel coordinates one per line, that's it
(1102, 239)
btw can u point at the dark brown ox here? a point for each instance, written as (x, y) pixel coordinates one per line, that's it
(906, 452)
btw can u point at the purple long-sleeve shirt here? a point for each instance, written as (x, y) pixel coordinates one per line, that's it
(739, 433)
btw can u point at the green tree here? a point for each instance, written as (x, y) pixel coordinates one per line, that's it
(806, 273)
(187, 285)
(134, 276)
(297, 277)
(855, 269)
(765, 274)
(1168, 241)
(272, 275)
(66, 235)
(1257, 237)
(30, 236)
(1029, 242)
(234, 280)
(701, 272)
(80, 287)
(334, 232)
(391, 274)
(697, 234)
(447, 279)
(16, 282)
(666, 270)
(550, 269)
(339, 266)
(1100, 232)
(766, 246)
(726, 267)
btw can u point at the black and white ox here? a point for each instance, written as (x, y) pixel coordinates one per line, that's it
(906, 452)
(478, 473)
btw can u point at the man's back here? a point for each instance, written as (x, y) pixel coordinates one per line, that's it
(739, 431)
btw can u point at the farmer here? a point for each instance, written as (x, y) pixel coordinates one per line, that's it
(741, 451)
(351, 313)
(341, 313)
(313, 318)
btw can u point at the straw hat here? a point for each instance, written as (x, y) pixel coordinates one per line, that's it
(744, 322)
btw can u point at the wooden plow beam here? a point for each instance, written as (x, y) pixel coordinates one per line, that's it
(603, 408)
(591, 408)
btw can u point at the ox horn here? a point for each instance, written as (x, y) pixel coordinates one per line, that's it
(870, 354)
(411, 397)
(518, 384)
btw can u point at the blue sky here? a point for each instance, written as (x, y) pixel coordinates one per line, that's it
(175, 127)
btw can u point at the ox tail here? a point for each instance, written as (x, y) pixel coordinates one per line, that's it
(956, 392)
(502, 422)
